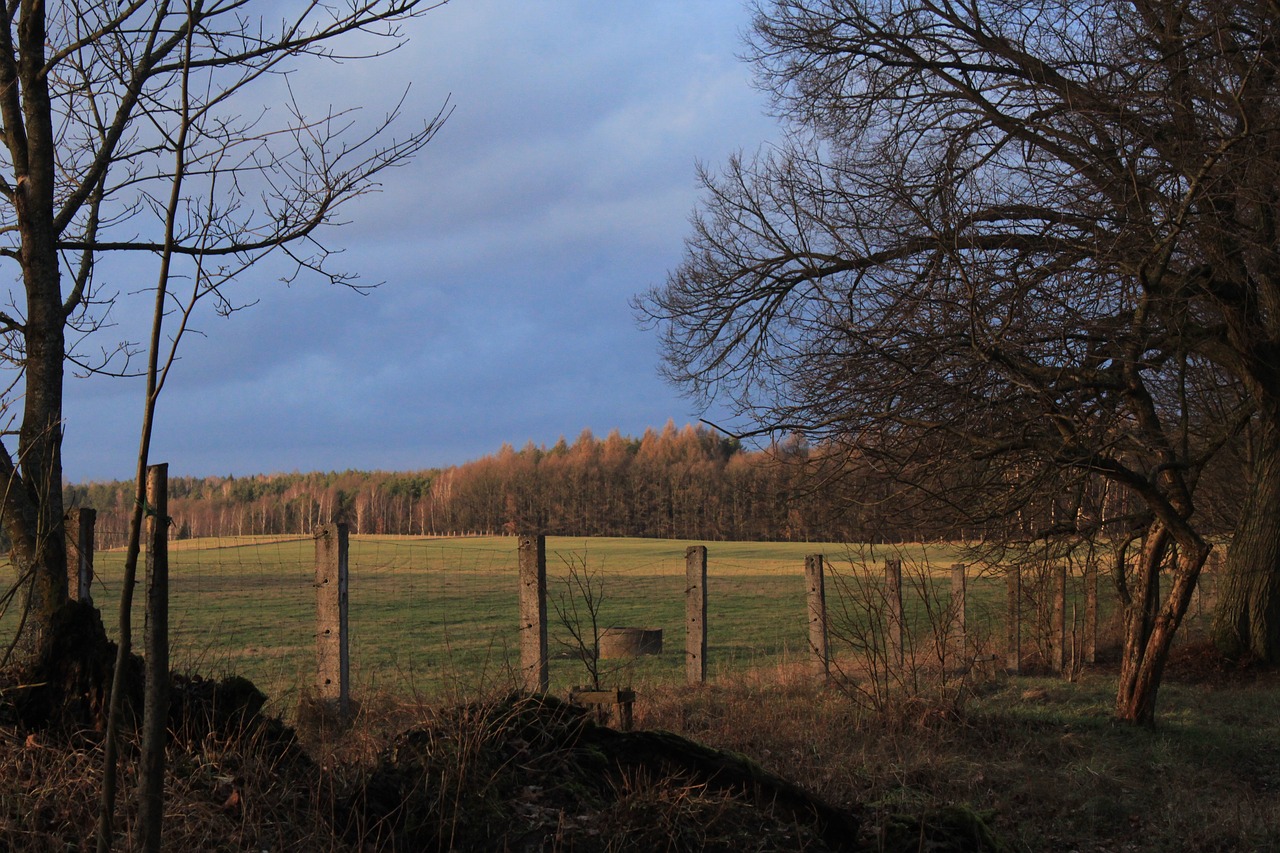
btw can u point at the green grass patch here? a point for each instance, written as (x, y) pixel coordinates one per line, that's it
(433, 615)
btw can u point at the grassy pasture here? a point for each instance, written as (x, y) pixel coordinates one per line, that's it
(1041, 758)
(439, 616)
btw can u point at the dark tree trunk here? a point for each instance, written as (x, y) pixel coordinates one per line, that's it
(32, 502)
(1247, 615)
(39, 552)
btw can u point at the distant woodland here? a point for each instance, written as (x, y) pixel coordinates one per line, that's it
(685, 482)
(682, 483)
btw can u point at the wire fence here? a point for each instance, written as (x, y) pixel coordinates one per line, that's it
(439, 617)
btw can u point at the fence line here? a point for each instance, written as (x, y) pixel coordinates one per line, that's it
(439, 611)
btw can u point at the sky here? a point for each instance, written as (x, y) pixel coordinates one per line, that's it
(506, 252)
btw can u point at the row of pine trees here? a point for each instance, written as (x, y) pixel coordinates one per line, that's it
(676, 483)
(685, 483)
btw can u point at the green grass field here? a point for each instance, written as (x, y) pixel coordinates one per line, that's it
(439, 616)
(1040, 758)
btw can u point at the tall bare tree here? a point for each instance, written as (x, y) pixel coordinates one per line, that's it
(139, 128)
(1009, 248)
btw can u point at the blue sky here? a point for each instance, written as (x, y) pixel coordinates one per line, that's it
(560, 187)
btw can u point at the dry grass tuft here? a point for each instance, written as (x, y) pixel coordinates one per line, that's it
(219, 796)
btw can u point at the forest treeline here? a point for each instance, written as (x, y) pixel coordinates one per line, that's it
(678, 483)
(688, 482)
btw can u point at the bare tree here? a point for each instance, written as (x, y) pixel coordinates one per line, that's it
(1006, 249)
(139, 129)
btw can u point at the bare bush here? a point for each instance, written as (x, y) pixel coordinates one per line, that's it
(894, 651)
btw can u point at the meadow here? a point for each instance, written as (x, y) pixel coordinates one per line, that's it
(437, 617)
(1039, 760)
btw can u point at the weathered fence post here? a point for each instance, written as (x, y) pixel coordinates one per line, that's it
(333, 659)
(534, 669)
(695, 612)
(1091, 610)
(1058, 637)
(959, 595)
(1013, 648)
(894, 618)
(1196, 608)
(1205, 598)
(155, 704)
(80, 529)
(817, 598)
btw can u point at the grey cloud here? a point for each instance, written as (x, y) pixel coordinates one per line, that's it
(509, 250)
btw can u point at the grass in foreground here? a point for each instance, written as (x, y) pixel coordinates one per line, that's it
(1039, 759)
(1042, 757)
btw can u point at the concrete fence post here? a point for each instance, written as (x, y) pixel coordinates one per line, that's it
(1195, 609)
(333, 658)
(1091, 611)
(817, 598)
(1206, 585)
(959, 600)
(80, 525)
(1058, 638)
(894, 618)
(1013, 647)
(695, 611)
(535, 671)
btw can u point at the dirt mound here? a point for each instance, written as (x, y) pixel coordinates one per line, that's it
(67, 688)
(65, 692)
(517, 774)
(535, 773)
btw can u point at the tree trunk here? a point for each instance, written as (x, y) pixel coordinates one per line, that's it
(33, 509)
(40, 553)
(1247, 615)
(38, 550)
(1150, 624)
(1141, 604)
